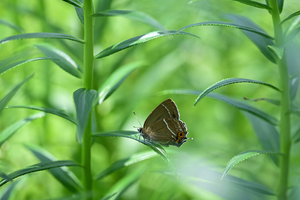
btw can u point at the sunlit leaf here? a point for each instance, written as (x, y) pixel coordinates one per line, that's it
(241, 157)
(259, 40)
(41, 35)
(48, 110)
(238, 104)
(135, 15)
(11, 25)
(63, 175)
(8, 67)
(38, 167)
(125, 162)
(62, 59)
(138, 40)
(10, 95)
(230, 25)
(228, 82)
(74, 3)
(114, 81)
(8, 132)
(254, 4)
(84, 100)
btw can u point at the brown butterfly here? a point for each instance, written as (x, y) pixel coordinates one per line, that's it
(163, 125)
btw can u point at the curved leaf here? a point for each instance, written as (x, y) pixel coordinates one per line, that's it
(63, 175)
(79, 12)
(135, 15)
(48, 110)
(84, 100)
(227, 82)
(137, 137)
(241, 157)
(8, 132)
(41, 35)
(291, 16)
(8, 193)
(292, 30)
(62, 59)
(138, 40)
(277, 51)
(74, 3)
(259, 40)
(254, 4)
(38, 167)
(114, 81)
(272, 101)
(13, 26)
(125, 162)
(238, 104)
(5, 68)
(10, 95)
(230, 25)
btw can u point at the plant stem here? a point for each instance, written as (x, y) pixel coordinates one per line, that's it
(88, 63)
(285, 141)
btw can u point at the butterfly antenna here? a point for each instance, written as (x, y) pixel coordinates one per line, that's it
(137, 119)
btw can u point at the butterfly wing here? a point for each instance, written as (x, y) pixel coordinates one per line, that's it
(167, 132)
(166, 109)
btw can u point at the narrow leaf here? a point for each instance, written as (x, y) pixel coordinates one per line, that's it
(7, 194)
(41, 35)
(13, 26)
(8, 132)
(125, 162)
(48, 110)
(115, 80)
(5, 68)
(38, 167)
(84, 100)
(135, 15)
(241, 157)
(267, 135)
(238, 104)
(136, 136)
(259, 40)
(291, 16)
(254, 4)
(10, 95)
(227, 82)
(138, 40)
(272, 101)
(278, 51)
(230, 25)
(74, 3)
(292, 30)
(79, 12)
(63, 175)
(62, 59)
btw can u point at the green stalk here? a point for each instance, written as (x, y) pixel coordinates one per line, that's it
(285, 135)
(88, 63)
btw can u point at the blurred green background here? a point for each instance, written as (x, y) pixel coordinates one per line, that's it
(179, 62)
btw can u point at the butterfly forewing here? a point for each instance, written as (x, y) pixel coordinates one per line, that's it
(166, 109)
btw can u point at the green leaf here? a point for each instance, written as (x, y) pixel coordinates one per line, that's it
(38, 167)
(8, 132)
(115, 80)
(62, 59)
(63, 175)
(272, 101)
(227, 82)
(267, 135)
(254, 4)
(279, 3)
(48, 110)
(137, 137)
(84, 100)
(125, 162)
(238, 104)
(109, 196)
(8, 67)
(241, 157)
(74, 3)
(41, 35)
(292, 30)
(135, 15)
(13, 26)
(79, 12)
(230, 25)
(278, 51)
(8, 193)
(138, 40)
(291, 16)
(259, 40)
(10, 95)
